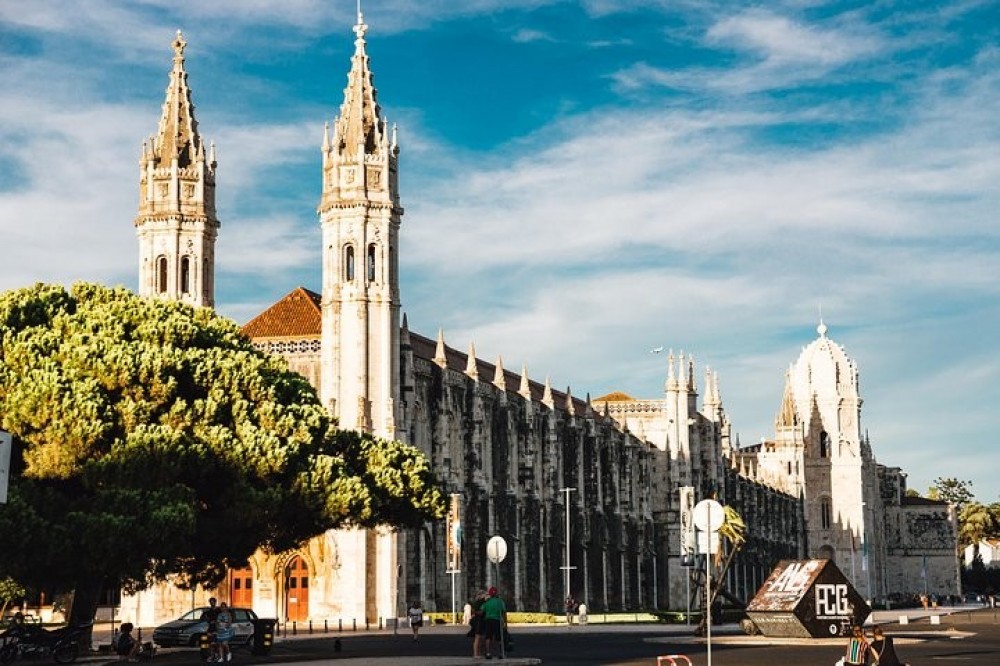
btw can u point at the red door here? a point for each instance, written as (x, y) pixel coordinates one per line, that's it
(241, 588)
(297, 590)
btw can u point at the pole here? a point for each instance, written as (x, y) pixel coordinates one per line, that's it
(708, 585)
(566, 569)
(454, 618)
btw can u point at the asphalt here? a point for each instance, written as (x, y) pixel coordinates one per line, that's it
(903, 631)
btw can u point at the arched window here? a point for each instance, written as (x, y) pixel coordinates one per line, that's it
(185, 274)
(825, 514)
(371, 262)
(349, 263)
(161, 275)
(824, 445)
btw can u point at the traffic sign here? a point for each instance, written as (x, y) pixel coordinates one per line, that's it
(496, 549)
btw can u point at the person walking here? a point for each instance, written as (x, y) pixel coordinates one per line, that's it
(416, 616)
(495, 618)
(570, 609)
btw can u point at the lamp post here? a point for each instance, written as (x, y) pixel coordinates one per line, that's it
(566, 568)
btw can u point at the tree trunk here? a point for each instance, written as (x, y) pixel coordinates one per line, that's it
(84, 609)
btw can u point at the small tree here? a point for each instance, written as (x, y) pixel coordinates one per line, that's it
(151, 438)
(10, 590)
(952, 490)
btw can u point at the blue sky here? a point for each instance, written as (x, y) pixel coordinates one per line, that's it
(583, 181)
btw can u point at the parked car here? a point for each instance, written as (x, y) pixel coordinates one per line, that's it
(187, 630)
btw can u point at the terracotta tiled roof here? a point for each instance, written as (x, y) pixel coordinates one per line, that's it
(295, 315)
(616, 396)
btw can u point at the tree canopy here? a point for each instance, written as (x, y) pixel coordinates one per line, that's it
(952, 490)
(152, 439)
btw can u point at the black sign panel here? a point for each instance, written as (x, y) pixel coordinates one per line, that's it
(806, 598)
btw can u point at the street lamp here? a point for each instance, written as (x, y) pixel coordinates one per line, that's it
(566, 568)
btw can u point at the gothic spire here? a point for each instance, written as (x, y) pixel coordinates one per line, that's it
(787, 417)
(176, 223)
(471, 367)
(499, 378)
(440, 357)
(177, 137)
(525, 388)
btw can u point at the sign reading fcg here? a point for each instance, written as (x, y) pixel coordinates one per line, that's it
(831, 601)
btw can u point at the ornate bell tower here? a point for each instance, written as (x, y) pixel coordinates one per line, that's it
(176, 224)
(360, 216)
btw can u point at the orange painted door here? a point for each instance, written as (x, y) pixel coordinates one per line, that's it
(297, 590)
(241, 588)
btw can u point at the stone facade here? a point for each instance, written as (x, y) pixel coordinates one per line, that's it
(595, 482)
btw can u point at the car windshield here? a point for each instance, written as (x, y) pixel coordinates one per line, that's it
(193, 614)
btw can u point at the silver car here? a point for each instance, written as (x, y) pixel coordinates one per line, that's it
(187, 630)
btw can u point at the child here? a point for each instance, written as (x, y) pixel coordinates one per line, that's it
(126, 647)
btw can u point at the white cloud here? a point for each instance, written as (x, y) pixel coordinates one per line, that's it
(779, 40)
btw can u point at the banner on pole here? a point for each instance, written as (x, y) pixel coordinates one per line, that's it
(687, 524)
(6, 443)
(454, 528)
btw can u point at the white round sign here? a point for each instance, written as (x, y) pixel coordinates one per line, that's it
(496, 549)
(708, 515)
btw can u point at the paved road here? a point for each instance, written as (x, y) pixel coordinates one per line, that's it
(961, 639)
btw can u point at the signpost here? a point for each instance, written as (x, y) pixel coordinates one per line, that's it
(708, 516)
(496, 551)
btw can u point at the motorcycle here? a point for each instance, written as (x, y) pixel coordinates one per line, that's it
(61, 645)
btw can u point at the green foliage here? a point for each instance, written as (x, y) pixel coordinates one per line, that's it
(151, 438)
(975, 523)
(951, 490)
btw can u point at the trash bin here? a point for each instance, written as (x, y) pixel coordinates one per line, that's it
(204, 647)
(263, 635)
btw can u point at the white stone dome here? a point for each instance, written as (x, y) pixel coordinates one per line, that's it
(825, 372)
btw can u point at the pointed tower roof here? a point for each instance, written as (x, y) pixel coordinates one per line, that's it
(177, 136)
(360, 122)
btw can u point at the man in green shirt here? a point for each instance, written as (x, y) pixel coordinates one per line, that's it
(494, 620)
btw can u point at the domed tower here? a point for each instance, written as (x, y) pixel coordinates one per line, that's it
(839, 478)
(176, 224)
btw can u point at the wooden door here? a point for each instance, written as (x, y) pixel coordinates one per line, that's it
(241, 588)
(297, 590)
